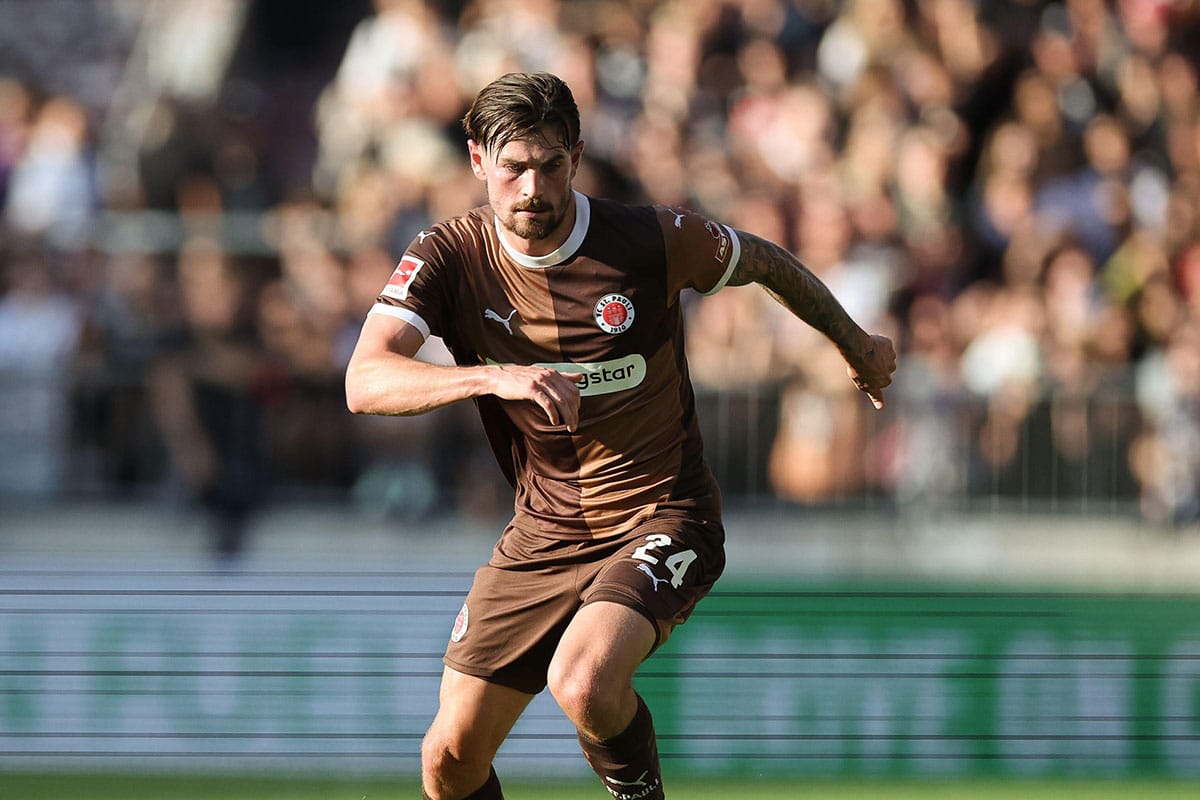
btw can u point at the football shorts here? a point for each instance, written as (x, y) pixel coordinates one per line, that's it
(524, 598)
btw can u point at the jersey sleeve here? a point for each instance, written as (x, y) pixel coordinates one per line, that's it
(701, 253)
(417, 291)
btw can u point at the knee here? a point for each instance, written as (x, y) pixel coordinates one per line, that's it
(449, 762)
(591, 700)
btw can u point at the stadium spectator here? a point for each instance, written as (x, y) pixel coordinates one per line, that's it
(930, 445)
(129, 319)
(40, 327)
(15, 110)
(208, 393)
(384, 91)
(51, 191)
(1166, 456)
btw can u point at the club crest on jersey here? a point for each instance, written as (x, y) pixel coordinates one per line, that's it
(460, 625)
(613, 313)
(402, 278)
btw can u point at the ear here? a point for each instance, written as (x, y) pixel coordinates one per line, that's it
(576, 155)
(477, 159)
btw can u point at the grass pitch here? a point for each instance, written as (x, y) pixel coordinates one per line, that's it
(40, 786)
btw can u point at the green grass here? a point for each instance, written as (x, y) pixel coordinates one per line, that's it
(30, 786)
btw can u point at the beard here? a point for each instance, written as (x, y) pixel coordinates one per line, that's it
(534, 229)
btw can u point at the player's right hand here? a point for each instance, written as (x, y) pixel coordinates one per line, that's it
(556, 392)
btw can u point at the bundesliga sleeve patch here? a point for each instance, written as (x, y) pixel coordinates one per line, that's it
(402, 278)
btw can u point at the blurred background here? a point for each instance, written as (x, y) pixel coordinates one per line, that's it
(200, 199)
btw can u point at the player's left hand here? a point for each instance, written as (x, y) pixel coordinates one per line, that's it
(872, 369)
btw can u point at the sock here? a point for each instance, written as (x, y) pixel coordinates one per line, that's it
(489, 791)
(628, 762)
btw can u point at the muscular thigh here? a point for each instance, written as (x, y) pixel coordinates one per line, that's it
(474, 716)
(516, 611)
(523, 600)
(663, 569)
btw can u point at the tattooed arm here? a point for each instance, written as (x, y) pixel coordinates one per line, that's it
(870, 359)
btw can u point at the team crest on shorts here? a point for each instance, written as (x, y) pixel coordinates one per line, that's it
(460, 624)
(613, 313)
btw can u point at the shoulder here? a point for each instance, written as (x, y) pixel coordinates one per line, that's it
(683, 225)
(453, 235)
(446, 247)
(610, 213)
(619, 230)
(437, 254)
(701, 251)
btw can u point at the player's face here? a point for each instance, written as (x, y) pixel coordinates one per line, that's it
(529, 188)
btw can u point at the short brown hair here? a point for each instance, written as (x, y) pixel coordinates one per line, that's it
(520, 103)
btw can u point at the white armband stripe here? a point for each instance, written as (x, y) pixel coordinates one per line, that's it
(733, 262)
(411, 317)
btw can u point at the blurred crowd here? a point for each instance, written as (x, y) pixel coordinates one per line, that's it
(1008, 188)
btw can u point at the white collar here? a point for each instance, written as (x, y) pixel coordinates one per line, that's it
(583, 216)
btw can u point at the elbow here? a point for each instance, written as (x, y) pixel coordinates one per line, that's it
(357, 398)
(354, 403)
(365, 394)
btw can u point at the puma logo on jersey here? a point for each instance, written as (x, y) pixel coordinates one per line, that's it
(423, 235)
(657, 580)
(678, 218)
(505, 321)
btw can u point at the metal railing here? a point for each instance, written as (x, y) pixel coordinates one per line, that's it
(96, 436)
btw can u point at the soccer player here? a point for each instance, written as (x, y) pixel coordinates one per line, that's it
(562, 312)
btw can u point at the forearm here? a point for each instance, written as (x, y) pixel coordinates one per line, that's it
(792, 284)
(383, 377)
(396, 385)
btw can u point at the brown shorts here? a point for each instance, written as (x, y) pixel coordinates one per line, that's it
(523, 599)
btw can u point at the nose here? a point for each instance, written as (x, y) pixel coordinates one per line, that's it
(531, 183)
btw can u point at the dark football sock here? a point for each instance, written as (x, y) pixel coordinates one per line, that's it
(628, 762)
(489, 791)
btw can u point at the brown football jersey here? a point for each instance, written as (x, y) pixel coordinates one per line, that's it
(605, 304)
